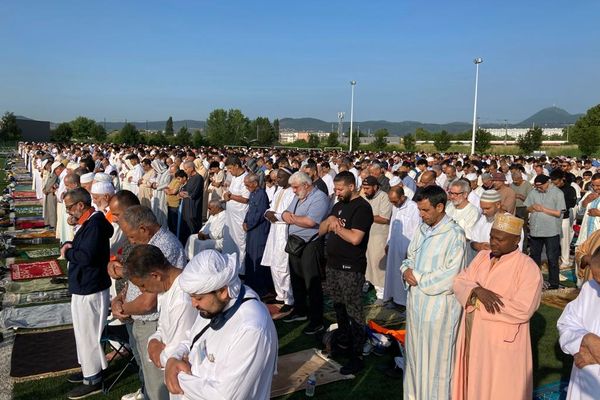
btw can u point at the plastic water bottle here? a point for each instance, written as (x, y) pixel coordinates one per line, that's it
(311, 383)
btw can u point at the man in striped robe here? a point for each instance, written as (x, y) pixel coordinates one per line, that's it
(436, 254)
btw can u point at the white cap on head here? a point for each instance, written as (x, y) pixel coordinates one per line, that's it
(55, 165)
(395, 181)
(210, 270)
(46, 161)
(471, 177)
(87, 178)
(103, 188)
(102, 177)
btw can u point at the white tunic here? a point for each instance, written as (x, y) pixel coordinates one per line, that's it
(234, 236)
(480, 233)
(464, 217)
(238, 361)
(176, 318)
(214, 229)
(403, 224)
(579, 318)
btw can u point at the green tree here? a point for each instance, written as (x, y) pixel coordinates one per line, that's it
(130, 135)
(483, 140)
(62, 134)
(216, 127)
(531, 140)
(238, 128)
(332, 140)
(169, 127)
(83, 127)
(276, 127)
(410, 143)
(441, 141)
(9, 130)
(313, 140)
(155, 139)
(423, 134)
(198, 140)
(183, 137)
(98, 133)
(262, 132)
(585, 133)
(380, 143)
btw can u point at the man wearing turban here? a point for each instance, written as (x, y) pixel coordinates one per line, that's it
(231, 351)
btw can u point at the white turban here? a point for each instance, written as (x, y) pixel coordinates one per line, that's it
(103, 188)
(210, 270)
(395, 181)
(102, 177)
(87, 178)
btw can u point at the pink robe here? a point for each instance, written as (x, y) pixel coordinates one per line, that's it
(500, 362)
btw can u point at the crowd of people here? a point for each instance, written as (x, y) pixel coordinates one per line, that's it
(186, 245)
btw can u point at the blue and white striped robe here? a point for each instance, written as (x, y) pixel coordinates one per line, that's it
(432, 312)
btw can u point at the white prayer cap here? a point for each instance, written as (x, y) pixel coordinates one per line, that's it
(210, 270)
(102, 177)
(46, 161)
(490, 196)
(471, 177)
(55, 165)
(103, 188)
(430, 159)
(87, 178)
(395, 181)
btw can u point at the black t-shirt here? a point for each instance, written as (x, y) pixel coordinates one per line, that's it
(356, 214)
(321, 185)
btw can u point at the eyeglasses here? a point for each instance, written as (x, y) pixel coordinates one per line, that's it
(455, 193)
(68, 207)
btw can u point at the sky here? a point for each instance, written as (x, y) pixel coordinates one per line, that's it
(147, 60)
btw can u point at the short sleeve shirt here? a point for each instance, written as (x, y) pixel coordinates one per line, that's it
(315, 206)
(542, 224)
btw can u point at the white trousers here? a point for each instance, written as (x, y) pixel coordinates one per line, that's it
(194, 245)
(89, 316)
(282, 283)
(565, 242)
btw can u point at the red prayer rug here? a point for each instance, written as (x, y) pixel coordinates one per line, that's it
(42, 269)
(24, 194)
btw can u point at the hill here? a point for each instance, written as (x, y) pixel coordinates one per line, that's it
(551, 116)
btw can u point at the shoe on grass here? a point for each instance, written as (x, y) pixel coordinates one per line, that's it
(75, 378)
(83, 391)
(134, 396)
(295, 317)
(313, 329)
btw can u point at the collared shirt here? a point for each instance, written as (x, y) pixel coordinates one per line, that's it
(540, 223)
(315, 206)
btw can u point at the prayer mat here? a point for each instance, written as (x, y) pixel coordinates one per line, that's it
(28, 210)
(294, 369)
(41, 269)
(552, 391)
(274, 311)
(39, 253)
(29, 223)
(559, 298)
(26, 202)
(36, 285)
(41, 355)
(29, 194)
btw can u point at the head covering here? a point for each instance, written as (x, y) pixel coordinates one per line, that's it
(541, 179)
(103, 188)
(471, 177)
(430, 159)
(370, 181)
(87, 178)
(486, 176)
(394, 181)
(46, 161)
(102, 177)
(490, 196)
(286, 170)
(498, 176)
(210, 270)
(55, 165)
(508, 223)
(159, 166)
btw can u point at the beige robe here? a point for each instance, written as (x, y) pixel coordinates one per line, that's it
(376, 257)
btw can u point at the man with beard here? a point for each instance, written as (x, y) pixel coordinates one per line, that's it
(348, 227)
(376, 256)
(231, 351)
(236, 197)
(459, 209)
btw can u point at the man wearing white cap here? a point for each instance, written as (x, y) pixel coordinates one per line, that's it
(49, 189)
(231, 351)
(87, 180)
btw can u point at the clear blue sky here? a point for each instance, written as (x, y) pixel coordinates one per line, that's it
(146, 60)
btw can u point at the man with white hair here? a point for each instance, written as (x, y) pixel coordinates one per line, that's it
(210, 235)
(459, 208)
(231, 351)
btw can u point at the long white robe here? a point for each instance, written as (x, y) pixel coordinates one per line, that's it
(214, 229)
(176, 316)
(465, 217)
(588, 224)
(274, 255)
(403, 224)
(159, 197)
(579, 318)
(436, 255)
(238, 361)
(234, 236)
(376, 257)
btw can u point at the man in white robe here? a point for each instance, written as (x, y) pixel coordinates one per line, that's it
(579, 329)
(231, 351)
(403, 224)
(210, 235)
(459, 208)
(274, 255)
(234, 236)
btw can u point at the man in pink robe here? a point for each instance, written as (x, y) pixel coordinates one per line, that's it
(500, 291)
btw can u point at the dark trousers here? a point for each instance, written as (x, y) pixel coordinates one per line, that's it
(552, 243)
(521, 212)
(306, 280)
(257, 276)
(172, 216)
(345, 288)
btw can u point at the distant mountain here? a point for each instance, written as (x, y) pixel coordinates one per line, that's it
(551, 116)
(154, 125)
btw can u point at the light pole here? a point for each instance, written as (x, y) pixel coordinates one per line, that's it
(477, 61)
(352, 83)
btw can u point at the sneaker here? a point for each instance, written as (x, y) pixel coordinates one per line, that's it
(313, 329)
(134, 396)
(286, 309)
(83, 391)
(274, 301)
(294, 317)
(367, 348)
(354, 365)
(562, 278)
(75, 378)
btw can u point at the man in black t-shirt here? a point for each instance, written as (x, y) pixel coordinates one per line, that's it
(348, 227)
